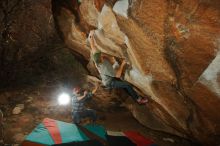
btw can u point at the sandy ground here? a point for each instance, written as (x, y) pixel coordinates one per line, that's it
(41, 102)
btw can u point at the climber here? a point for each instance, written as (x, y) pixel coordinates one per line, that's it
(110, 71)
(78, 109)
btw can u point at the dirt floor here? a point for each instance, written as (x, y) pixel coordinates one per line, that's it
(41, 102)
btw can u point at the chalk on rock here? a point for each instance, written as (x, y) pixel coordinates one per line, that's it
(121, 8)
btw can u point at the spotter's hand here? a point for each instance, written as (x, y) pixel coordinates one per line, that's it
(85, 92)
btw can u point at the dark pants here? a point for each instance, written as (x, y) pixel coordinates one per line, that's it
(90, 113)
(115, 83)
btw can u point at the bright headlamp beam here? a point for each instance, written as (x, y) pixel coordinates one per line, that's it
(63, 99)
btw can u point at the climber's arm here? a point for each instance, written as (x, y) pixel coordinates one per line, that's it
(83, 96)
(92, 41)
(120, 69)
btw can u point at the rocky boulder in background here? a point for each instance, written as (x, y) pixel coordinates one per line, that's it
(173, 48)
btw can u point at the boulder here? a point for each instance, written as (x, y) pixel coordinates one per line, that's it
(173, 51)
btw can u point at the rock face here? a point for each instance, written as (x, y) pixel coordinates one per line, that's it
(25, 36)
(30, 47)
(173, 47)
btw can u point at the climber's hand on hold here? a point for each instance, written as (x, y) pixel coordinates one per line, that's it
(91, 34)
(124, 62)
(85, 93)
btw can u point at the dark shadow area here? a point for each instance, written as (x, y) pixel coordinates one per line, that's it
(31, 52)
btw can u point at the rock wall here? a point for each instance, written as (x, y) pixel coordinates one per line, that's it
(30, 47)
(173, 47)
(26, 34)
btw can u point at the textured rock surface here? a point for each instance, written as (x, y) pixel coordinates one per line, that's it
(30, 48)
(25, 37)
(173, 49)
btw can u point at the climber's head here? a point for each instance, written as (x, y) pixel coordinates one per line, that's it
(76, 89)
